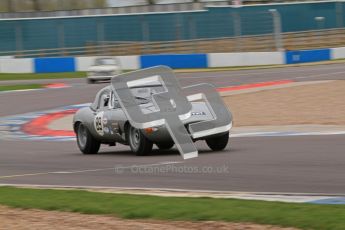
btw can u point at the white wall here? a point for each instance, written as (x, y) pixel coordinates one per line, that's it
(16, 65)
(83, 63)
(127, 62)
(338, 53)
(245, 59)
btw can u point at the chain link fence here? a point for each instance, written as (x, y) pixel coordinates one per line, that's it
(178, 33)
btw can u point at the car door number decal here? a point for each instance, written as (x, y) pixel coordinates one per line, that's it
(98, 123)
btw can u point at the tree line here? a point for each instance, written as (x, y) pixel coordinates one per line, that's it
(49, 5)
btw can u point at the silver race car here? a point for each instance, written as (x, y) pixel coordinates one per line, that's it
(105, 122)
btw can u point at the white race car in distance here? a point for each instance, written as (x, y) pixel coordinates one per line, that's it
(104, 69)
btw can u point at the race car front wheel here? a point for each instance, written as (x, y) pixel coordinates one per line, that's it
(219, 142)
(139, 144)
(86, 142)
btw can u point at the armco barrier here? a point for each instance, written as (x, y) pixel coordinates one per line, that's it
(338, 53)
(71, 64)
(54, 65)
(20, 65)
(245, 59)
(301, 56)
(175, 61)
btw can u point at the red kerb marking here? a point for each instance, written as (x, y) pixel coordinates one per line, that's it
(56, 85)
(254, 85)
(39, 125)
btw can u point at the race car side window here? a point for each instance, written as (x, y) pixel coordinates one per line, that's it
(101, 99)
(104, 100)
(114, 103)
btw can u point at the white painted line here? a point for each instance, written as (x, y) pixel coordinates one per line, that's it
(86, 170)
(320, 75)
(274, 71)
(171, 192)
(20, 90)
(285, 134)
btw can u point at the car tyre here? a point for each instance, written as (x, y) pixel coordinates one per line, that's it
(91, 81)
(86, 142)
(165, 146)
(219, 142)
(138, 143)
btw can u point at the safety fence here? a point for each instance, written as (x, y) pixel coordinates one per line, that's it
(314, 39)
(262, 27)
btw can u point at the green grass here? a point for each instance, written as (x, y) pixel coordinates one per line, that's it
(19, 87)
(31, 76)
(304, 216)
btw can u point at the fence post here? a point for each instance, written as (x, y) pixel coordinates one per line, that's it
(100, 36)
(192, 33)
(178, 27)
(339, 13)
(61, 37)
(277, 29)
(237, 30)
(145, 28)
(19, 38)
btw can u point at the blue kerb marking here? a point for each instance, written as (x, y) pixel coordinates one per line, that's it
(335, 200)
(300, 56)
(14, 123)
(174, 61)
(54, 65)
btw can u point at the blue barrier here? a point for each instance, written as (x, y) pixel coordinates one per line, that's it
(175, 61)
(300, 56)
(54, 65)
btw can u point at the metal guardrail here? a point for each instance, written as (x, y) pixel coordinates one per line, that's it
(290, 41)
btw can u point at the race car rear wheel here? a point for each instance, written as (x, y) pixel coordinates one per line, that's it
(219, 142)
(86, 142)
(139, 144)
(165, 146)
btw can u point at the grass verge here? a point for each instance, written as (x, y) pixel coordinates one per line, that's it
(304, 216)
(19, 87)
(33, 76)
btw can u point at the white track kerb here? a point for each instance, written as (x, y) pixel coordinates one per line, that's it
(312, 198)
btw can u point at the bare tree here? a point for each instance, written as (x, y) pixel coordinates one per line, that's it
(10, 6)
(40, 5)
(151, 2)
(100, 3)
(36, 5)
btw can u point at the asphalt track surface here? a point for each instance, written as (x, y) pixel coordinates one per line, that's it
(300, 164)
